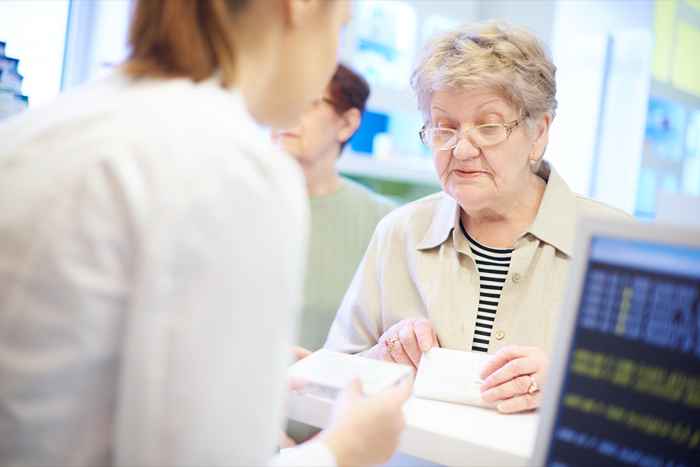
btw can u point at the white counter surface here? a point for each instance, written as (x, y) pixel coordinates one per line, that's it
(445, 433)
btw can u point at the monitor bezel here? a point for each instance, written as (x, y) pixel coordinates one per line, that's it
(586, 229)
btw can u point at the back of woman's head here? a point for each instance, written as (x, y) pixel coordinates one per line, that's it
(183, 39)
(348, 90)
(278, 53)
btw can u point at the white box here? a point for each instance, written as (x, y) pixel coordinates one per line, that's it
(326, 373)
(451, 376)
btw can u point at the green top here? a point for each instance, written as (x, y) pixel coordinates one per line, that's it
(342, 224)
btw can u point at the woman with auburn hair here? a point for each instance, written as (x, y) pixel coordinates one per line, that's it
(145, 316)
(481, 266)
(343, 213)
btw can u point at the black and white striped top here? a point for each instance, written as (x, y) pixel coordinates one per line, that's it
(493, 266)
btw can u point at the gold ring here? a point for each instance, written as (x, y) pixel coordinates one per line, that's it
(534, 387)
(391, 343)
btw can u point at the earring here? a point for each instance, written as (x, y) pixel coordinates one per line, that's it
(535, 164)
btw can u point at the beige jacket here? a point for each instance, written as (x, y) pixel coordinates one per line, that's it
(419, 265)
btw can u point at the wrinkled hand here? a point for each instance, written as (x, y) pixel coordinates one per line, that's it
(513, 378)
(405, 342)
(365, 430)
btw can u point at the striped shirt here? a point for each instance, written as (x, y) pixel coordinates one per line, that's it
(492, 264)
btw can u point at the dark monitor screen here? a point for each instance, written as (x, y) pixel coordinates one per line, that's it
(631, 392)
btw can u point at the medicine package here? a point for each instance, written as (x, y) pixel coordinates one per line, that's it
(326, 373)
(451, 376)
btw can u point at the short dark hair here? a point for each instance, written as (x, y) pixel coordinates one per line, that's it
(348, 90)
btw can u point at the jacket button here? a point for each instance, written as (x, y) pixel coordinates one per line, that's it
(500, 335)
(517, 277)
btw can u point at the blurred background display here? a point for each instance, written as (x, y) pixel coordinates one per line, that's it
(384, 44)
(627, 130)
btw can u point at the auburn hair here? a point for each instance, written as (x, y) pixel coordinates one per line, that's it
(348, 90)
(183, 39)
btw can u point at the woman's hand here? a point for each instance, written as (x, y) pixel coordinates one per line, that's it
(365, 430)
(285, 441)
(297, 384)
(405, 342)
(513, 378)
(300, 352)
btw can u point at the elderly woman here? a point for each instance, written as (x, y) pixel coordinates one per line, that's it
(482, 265)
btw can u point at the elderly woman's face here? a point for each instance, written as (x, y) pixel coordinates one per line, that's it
(486, 177)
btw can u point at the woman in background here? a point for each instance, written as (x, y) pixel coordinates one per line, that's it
(145, 319)
(344, 214)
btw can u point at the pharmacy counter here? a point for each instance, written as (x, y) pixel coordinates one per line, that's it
(445, 433)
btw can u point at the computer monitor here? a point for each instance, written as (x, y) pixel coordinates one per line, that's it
(624, 385)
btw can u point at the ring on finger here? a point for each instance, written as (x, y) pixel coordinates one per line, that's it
(392, 343)
(534, 387)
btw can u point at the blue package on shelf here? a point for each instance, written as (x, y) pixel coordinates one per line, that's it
(11, 81)
(372, 124)
(11, 103)
(2, 49)
(8, 64)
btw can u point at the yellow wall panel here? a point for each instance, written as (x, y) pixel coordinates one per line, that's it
(664, 19)
(693, 3)
(686, 59)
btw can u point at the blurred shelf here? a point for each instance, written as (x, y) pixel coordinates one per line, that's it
(402, 169)
(392, 101)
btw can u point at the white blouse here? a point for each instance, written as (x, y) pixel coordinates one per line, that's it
(152, 246)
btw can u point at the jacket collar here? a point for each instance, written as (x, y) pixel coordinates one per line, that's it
(553, 223)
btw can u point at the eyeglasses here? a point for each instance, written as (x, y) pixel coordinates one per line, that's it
(481, 136)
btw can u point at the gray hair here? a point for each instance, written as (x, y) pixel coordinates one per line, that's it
(509, 60)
